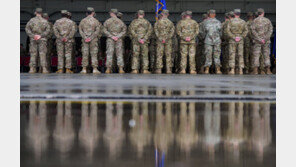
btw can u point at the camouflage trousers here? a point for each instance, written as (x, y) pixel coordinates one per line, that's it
(140, 49)
(152, 54)
(90, 48)
(187, 50)
(64, 50)
(200, 57)
(236, 51)
(118, 48)
(38, 48)
(225, 56)
(49, 51)
(160, 51)
(257, 50)
(212, 52)
(247, 53)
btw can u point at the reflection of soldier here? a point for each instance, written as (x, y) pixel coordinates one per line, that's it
(64, 133)
(37, 130)
(89, 133)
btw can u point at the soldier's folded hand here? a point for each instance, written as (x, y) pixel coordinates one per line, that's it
(237, 39)
(64, 39)
(163, 41)
(263, 41)
(87, 40)
(188, 39)
(37, 37)
(115, 38)
(142, 41)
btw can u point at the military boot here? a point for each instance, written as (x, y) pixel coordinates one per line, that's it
(218, 71)
(207, 70)
(108, 70)
(59, 71)
(68, 71)
(240, 71)
(121, 71)
(32, 70)
(254, 71)
(96, 71)
(231, 72)
(268, 72)
(134, 72)
(201, 70)
(44, 70)
(146, 72)
(169, 71)
(182, 72)
(83, 71)
(192, 72)
(262, 72)
(158, 71)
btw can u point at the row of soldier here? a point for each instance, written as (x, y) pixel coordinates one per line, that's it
(244, 44)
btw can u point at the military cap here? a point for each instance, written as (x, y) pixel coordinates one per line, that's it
(260, 10)
(115, 11)
(90, 9)
(226, 14)
(237, 11)
(38, 10)
(188, 12)
(204, 16)
(182, 14)
(119, 14)
(231, 14)
(212, 11)
(64, 11)
(141, 12)
(69, 14)
(45, 15)
(165, 12)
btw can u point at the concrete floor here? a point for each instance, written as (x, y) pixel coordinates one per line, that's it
(148, 87)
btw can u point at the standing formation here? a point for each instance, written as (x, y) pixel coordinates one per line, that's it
(232, 47)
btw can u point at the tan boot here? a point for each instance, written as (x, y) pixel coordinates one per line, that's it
(32, 70)
(231, 72)
(45, 71)
(83, 71)
(158, 71)
(108, 70)
(59, 71)
(268, 72)
(201, 71)
(192, 72)
(240, 71)
(121, 71)
(146, 72)
(207, 70)
(254, 71)
(218, 71)
(169, 71)
(68, 71)
(182, 72)
(96, 71)
(262, 72)
(134, 72)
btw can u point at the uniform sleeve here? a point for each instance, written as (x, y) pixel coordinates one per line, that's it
(101, 30)
(132, 30)
(269, 32)
(254, 33)
(45, 33)
(228, 32)
(81, 30)
(28, 30)
(196, 31)
(123, 31)
(106, 32)
(97, 31)
(246, 30)
(201, 34)
(171, 31)
(178, 30)
(149, 32)
(56, 31)
(156, 30)
(73, 30)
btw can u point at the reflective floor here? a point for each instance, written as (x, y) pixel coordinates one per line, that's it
(148, 134)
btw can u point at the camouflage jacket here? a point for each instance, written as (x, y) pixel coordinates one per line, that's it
(200, 37)
(64, 28)
(187, 28)
(90, 27)
(114, 27)
(224, 33)
(236, 28)
(164, 29)
(38, 26)
(140, 29)
(261, 28)
(211, 31)
(51, 33)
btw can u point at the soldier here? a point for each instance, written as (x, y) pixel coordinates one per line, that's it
(211, 32)
(74, 64)
(140, 31)
(49, 40)
(64, 30)
(187, 30)
(261, 32)
(90, 30)
(200, 59)
(248, 44)
(115, 30)
(152, 51)
(236, 31)
(225, 44)
(164, 30)
(177, 39)
(38, 30)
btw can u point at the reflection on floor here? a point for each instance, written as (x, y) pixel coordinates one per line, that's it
(148, 134)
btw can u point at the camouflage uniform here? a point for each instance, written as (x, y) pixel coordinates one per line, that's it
(49, 40)
(90, 27)
(248, 44)
(236, 28)
(225, 49)
(152, 51)
(114, 27)
(140, 28)
(187, 28)
(64, 28)
(200, 58)
(164, 30)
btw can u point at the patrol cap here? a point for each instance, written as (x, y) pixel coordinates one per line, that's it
(38, 10)
(212, 11)
(141, 12)
(45, 15)
(115, 11)
(90, 9)
(231, 14)
(188, 12)
(226, 14)
(204, 16)
(237, 11)
(69, 14)
(260, 11)
(64, 11)
(119, 14)
(165, 12)
(182, 14)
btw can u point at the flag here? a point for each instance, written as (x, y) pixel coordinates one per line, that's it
(274, 46)
(160, 5)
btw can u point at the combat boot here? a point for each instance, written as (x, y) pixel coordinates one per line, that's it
(121, 71)
(231, 72)
(182, 72)
(96, 71)
(254, 71)
(32, 70)
(192, 72)
(158, 71)
(207, 70)
(169, 71)
(146, 72)
(68, 71)
(44, 70)
(201, 70)
(83, 71)
(268, 72)
(108, 70)
(240, 71)
(262, 72)
(134, 72)
(218, 71)
(59, 71)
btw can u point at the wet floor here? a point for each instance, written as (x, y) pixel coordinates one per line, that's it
(148, 134)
